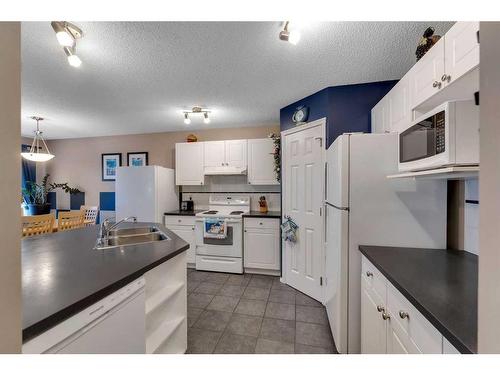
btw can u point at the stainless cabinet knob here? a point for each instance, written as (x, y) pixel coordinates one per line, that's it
(436, 84)
(385, 316)
(446, 78)
(369, 274)
(404, 315)
(380, 308)
(261, 223)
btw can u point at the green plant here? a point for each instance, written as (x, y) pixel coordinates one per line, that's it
(35, 193)
(277, 154)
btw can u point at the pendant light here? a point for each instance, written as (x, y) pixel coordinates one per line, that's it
(36, 151)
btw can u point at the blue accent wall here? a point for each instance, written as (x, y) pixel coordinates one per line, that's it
(76, 200)
(346, 108)
(51, 198)
(107, 201)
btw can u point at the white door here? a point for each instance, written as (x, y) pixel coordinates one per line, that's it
(461, 50)
(425, 76)
(303, 180)
(214, 154)
(261, 162)
(236, 153)
(261, 249)
(186, 232)
(189, 163)
(373, 327)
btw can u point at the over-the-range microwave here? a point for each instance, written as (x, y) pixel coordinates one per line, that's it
(446, 136)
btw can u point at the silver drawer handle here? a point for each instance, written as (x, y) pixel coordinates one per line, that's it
(404, 315)
(380, 308)
(369, 274)
(385, 316)
(436, 84)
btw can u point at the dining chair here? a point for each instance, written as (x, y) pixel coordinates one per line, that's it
(89, 214)
(70, 220)
(37, 224)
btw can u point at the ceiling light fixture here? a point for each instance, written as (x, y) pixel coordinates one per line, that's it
(197, 110)
(67, 34)
(36, 151)
(289, 35)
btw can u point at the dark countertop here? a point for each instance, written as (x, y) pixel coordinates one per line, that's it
(183, 213)
(441, 284)
(269, 214)
(62, 274)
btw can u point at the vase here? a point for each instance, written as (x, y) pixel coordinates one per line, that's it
(38, 209)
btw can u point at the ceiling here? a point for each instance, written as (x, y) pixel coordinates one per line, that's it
(137, 77)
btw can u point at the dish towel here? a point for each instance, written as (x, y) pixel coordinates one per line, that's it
(214, 228)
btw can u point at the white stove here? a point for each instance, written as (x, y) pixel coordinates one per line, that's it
(222, 254)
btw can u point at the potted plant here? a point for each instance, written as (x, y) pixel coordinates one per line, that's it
(35, 195)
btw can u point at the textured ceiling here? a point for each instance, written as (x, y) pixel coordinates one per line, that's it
(137, 77)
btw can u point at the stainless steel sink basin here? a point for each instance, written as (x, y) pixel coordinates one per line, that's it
(137, 238)
(131, 231)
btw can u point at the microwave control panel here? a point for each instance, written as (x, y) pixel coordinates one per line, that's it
(440, 132)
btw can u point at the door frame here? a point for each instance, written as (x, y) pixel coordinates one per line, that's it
(322, 123)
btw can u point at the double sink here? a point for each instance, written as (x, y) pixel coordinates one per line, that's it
(131, 236)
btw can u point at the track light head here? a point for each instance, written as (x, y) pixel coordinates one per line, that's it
(206, 119)
(187, 120)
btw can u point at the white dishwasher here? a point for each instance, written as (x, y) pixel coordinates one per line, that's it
(114, 325)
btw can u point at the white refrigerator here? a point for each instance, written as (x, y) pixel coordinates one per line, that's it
(145, 192)
(363, 207)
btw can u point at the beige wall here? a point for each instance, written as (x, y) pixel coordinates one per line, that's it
(489, 192)
(78, 161)
(10, 165)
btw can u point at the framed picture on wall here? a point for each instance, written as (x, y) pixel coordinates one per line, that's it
(137, 159)
(109, 163)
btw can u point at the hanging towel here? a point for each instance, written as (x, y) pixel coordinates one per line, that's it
(214, 228)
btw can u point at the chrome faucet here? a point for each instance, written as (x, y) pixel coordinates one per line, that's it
(106, 228)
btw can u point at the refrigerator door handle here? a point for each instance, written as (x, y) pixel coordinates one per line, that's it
(326, 181)
(337, 207)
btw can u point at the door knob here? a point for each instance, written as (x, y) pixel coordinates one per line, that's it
(380, 308)
(404, 315)
(385, 316)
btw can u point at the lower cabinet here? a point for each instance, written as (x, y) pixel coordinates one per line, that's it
(261, 244)
(184, 227)
(390, 323)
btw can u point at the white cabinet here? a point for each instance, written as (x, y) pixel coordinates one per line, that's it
(261, 162)
(261, 244)
(389, 322)
(380, 116)
(184, 227)
(226, 154)
(189, 163)
(399, 106)
(425, 76)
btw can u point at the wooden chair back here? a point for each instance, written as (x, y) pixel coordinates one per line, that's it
(70, 220)
(89, 214)
(37, 224)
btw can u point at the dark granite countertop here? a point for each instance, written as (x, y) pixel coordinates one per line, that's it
(269, 214)
(441, 284)
(183, 213)
(62, 274)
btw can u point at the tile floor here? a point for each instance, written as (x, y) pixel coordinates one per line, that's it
(253, 314)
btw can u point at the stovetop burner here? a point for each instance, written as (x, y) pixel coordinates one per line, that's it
(236, 213)
(211, 212)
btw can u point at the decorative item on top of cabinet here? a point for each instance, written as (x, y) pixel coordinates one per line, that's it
(427, 41)
(261, 243)
(277, 155)
(191, 138)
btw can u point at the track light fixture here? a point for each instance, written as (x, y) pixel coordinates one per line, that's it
(67, 34)
(289, 35)
(36, 151)
(197, 110)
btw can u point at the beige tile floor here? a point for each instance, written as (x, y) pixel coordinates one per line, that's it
(253, 314)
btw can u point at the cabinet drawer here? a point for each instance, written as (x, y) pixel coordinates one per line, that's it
(255, 222)
(418, 329)
(179, 220)
(374, 278)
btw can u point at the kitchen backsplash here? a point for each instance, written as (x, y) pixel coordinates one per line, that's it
(201, 200)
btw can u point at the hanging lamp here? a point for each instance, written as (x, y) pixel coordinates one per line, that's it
(36, 152)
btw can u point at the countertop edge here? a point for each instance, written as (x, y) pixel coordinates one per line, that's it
(269, 214)
(54, 319)
(450, 336)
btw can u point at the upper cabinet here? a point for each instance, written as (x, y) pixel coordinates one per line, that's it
(236, 153)
(380, 116)
(222, 154)
(399, 105)
(189, 163)
(215, 154)
(261, 162)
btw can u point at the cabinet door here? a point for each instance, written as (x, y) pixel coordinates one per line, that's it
(373, 327)
(378, 118)
(187, 234)
(261, 162)
(461, 50)
(236, 153)
(189, 163)
(261, 249)
(425, 76)
(214, 154)
(399, 106)
(398, 341)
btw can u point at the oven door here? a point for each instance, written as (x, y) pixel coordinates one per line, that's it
(426, 143)
(231, 246)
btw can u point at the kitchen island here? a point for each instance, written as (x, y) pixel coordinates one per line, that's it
(62, 275)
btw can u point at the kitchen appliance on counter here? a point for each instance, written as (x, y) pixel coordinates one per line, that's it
(187, 205)
(446, 136)
(145, 192)
(222, 253)
(363, 207)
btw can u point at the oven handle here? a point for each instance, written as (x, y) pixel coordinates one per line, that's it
(228, 221)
